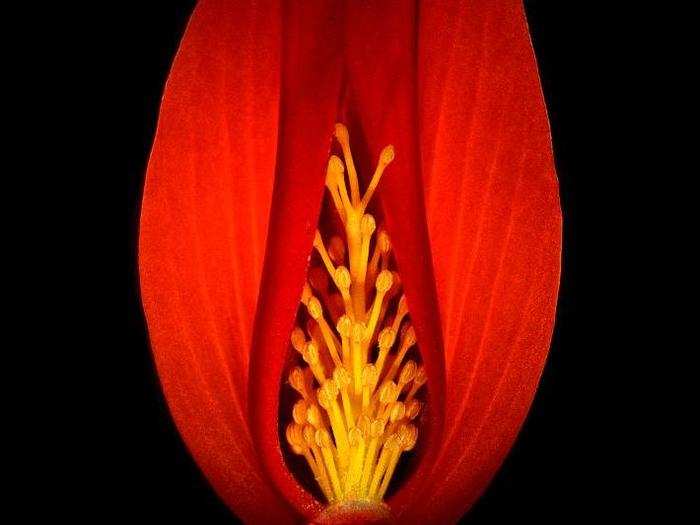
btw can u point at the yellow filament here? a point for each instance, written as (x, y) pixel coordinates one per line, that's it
(350, 431)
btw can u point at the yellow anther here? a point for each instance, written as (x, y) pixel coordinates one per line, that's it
(298, 339)
(334, 172)
(387, 155)
(384, 281)
(344, 325)
(369, 379)
(299, 412)
(335, 166)
(367, 225)
(296, 379)
(413, 409)
(342, 278)
(355, 436)
(331, 387)
(310, 435)
(325, 396)
(408, 435)
(314, 307)
(342, 377)
(386, 338)
(314, 417)
(341, 134)
(385, 158)
(376, 428)
(343, 138)
(398, 411)
(295, 437)
(323, 438)
(311, 353)
(369, 375)
(387, 392)
(408, 372)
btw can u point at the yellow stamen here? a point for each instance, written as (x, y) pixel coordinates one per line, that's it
(353, 444)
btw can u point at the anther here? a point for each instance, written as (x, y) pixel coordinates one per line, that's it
(296, 379)
(341, 134)
(413, 409)
(335, 166)
(299, 412)
(298, 340)
(310, 435)
(384, 281)
(368, 225)
(314, 307)
(354, 437)
(386, 338)
(398, 411)
(408, 435)
(344, 325)
(387, 392)
(385, 158)
(342, 278)
(314, 417)
(323, 438)
(295, 437)
(311, 353)
(376, 428)
(369, 375)
(408, 372)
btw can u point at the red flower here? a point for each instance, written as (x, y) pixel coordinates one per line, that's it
(233, 192)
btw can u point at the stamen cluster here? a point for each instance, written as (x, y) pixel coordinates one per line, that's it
(354, 418)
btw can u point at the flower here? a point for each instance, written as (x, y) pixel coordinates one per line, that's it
(231, 207)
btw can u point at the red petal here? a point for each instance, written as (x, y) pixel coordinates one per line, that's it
(495, 227)
(204, 221)
(311, 76)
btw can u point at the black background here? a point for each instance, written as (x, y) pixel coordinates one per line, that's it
(547, 474)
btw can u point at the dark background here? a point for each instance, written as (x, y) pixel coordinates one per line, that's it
(547, 474)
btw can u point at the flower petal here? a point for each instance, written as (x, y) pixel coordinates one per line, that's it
(311, 76)
(495, 227)
(203, 228)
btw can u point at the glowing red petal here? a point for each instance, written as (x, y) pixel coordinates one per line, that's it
(495, 228)
(204, 223)
(311, 76)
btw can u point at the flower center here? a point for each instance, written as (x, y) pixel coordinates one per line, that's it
(358, 388)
